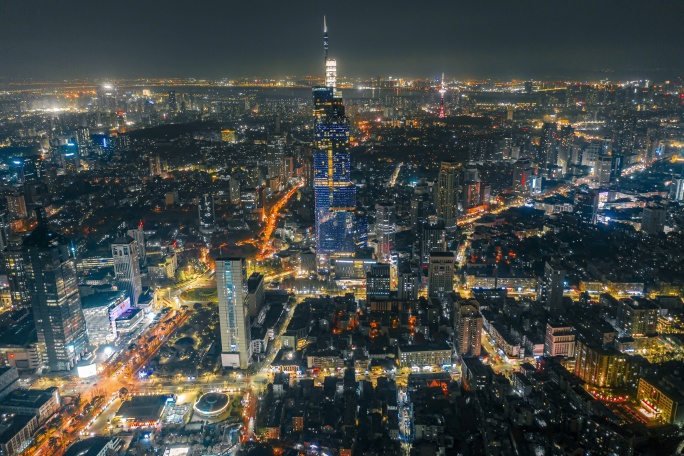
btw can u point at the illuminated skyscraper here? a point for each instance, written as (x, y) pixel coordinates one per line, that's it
(127, 267)
(334, 192)
(446, 196)
(207, 216)
(173, 104)
(53, 286)
(442, 91)
(233, 305)
(385, 229)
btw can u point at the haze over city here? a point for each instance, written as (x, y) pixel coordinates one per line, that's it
(341, 229)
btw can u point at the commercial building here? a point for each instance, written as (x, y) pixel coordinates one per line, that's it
(13, 259)
(228, 136)
(663, 398)
(424, 355)
(100, 311)
(378, 281)
(559, 341)
(653, 219)
(52, 283)
(231, 283)
(127, 267)
(16, 431)
(385, 229)
(39, 403)
(432, 239)
(441, 273)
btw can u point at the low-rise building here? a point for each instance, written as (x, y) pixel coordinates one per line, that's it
(424, 355)
(40, 403)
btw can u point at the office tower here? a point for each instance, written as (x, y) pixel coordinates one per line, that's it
(653, 219)
(602, 169)
(4, 231)
(432, 239)
(467, 328)
(616, 166)
(446, 195)
(334, 192)
(127, 267)
(601, 367)
(441, 273)
(275, 158)
(13, 259)
(409, 284)
(637, 317)
(586, 205)
(52, 283)
(526, 180)
(548, 144)
(16, 207)
(207, 217)
(559, 341)
(552, 288)
(139, 235)
(234, 189)
(121, 121)
(361, 219)
(420, 206)
(385, 229)
(255, 293)
(173, 104)
(565, 138)
(678, 189)
(378, 280)
(624, 135)
(155, 166)
(231, 284)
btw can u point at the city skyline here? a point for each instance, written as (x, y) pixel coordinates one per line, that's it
(496, 39)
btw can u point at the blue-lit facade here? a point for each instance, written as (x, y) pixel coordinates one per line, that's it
(335, 194)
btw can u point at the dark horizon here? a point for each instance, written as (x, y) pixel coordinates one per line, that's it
(500, 40)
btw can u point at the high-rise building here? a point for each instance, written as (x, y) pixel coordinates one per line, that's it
(432, 239)
(409, 284)
(173, 103)
(637, 317)
(13, 259)
(601, 367)
(334, 192)
(441, 273)
(385, 229)
(207, 216)
(127, 267)
(231, 284)
(586, 205)
(446, 195)
(155, 166)
(139, 235)
(653, 219)
(53, 285)
(525, 178)
(678, 189)
(16, 207)
(548, 144)
(468, 328)
(255, 293)
(602, 169)
(234, 189)
(552, 288)
(275, 158)
(378, 280)
(559, 341)
(4, 231)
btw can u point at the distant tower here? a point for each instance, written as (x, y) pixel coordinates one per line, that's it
(325, 40)
(127, 267)
(330, 64)
(442, 91)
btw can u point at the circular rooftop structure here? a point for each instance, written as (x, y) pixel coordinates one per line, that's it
(212, 404)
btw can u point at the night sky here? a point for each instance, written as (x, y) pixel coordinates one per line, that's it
(52, 39)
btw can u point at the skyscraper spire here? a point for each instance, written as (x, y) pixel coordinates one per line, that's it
(330, 64)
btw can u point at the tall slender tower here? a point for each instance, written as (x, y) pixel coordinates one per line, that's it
(325, 40)
(232, 289)
(442, 91)
(334, 192)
